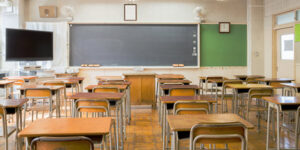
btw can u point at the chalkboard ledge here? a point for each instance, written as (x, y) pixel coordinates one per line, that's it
(148, 67)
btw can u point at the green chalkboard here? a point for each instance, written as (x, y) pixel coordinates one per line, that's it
(223, 49)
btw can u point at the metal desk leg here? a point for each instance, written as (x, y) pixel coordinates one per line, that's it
(128, 104)
(117, 126)
(164, 126)
(234, 99)
(58, 103)
(268, 127)
(121, 124)
(6, 91)
(278, 127)
(124, 116)
(17, 128)
(173, 141)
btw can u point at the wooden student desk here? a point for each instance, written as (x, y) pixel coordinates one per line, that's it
(170, 76)
(72, 81)
(268, 81)
(186, 122)
(167, 87)
(119, 98)
(244, 77)
(167, 81)
(165, 100)
(8, 86)
(64, 75)
(160, 77)
(183, 81)
(63, 127)
(280, 104)
(114, 82)
(13, 106)
(120, 87)
(25, 78)
(110, 78)
(242, 88)
(56, 90)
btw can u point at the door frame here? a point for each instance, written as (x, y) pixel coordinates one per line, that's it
(275, 28)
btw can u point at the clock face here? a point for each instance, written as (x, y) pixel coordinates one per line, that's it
(224, 27)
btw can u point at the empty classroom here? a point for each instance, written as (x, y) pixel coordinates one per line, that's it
(149, 74)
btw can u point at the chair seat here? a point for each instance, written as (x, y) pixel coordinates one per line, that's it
(41, 107)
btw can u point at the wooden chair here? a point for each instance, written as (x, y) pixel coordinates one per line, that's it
(225, 95)
(183, 92)
(223, 133)
(60, 83)
(187, 108)
(191, 107)
(92, 106)
(97, 108)
(36, 94)
(62, 143)
(260, 106)
(207, 81)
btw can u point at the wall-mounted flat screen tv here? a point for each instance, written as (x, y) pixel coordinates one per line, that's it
(28, 45)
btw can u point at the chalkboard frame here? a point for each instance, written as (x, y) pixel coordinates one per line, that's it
(137, 23)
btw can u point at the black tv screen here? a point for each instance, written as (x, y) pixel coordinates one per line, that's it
(28, 45)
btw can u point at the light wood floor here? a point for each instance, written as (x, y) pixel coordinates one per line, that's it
(144, 133)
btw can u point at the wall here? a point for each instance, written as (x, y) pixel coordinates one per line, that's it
(274, 7)
(148, 10)
(255, 27)
(13, 19)
(157, 11)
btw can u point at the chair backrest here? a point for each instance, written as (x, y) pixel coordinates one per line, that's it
(38, 93)
(62, 143)
(174, 83)
(111, 83)
(105, 90)
(226, 82)
(223, 133)
(87, 105)
(252, 80)
(54, 83)
(183, 92)
(260, 92)
(190, 107)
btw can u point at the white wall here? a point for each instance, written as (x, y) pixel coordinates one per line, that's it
(255, 24)
(148, 10)
(13, 19)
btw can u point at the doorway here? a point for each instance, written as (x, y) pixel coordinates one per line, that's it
(285, 53)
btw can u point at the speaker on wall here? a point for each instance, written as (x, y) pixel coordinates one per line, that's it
(47, 11)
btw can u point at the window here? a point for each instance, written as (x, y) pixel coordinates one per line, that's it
(298, 15)
(287, 47)
(285, 18)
